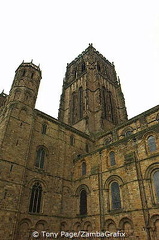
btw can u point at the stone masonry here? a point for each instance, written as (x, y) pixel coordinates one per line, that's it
(90, 170)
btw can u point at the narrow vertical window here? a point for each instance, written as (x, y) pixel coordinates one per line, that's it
(115, 196)
(83, 168)
(83, 202)
(87, 147)
(112, 158)
(98, 67)
(23, 73)
(128, 133)
(109, 102)
(72, 140)
(40, 158)
(74, 107)
(83, 67)
(44, 128)
(80, 97)
(107, 105)
(35, 199)
(104, 102)
(151, 143)
(156, 185)
(75, 73)
(32, 75)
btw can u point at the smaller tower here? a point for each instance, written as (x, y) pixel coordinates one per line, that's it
(16, 129)
(20, 103)
(25, 85)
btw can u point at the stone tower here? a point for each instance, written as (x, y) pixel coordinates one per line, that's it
(17, 121)
(92, 100)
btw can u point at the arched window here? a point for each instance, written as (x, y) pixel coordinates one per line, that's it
(23, 73)
(74, 107)
(107, 105)
(35, 199)
(151, 143)
(98, 67)
(115, 196)
(44, 128)
(75, 73)
(83, 168)
(72, 140)
(80, 101)
(112, 158)
(32, 75)
(104, 102)
(83, 202)
(83, 67)
(87, 147)
(156, 185)
(128, 133)
(40, 157)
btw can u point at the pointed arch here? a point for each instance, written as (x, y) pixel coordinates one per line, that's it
(40, 157)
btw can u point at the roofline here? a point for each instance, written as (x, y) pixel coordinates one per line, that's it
(66, 126)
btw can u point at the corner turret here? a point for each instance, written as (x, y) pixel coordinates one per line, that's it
(25, 85)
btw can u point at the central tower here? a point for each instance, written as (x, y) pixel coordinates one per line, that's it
(92, 100)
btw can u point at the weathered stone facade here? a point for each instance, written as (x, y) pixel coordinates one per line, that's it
(92, 169)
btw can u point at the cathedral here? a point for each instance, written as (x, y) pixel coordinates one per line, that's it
(91, 173)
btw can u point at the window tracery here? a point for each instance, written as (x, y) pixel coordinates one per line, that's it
(35, 199)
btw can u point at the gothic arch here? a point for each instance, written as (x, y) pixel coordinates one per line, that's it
(41, 156)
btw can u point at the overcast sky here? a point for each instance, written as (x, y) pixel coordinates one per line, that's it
(54, 32)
